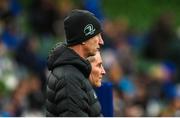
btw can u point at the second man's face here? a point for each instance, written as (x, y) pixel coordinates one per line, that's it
(97, 71)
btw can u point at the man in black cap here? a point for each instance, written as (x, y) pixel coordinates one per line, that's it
(69, 92)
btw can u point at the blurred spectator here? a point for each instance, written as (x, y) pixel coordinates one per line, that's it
(162, 47)
(35, 98)
(10, 36)
(109, 34)
(42, 16)
(160, 37)
(172, 109)
(26, 55)
(94, 6)
(17, 104)
(10, 31)
(63, 8)
(7, 68)
(133, 110)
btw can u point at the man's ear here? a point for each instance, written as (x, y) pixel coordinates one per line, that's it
(83, 43)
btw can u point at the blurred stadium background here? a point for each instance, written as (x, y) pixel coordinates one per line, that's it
(141, 54)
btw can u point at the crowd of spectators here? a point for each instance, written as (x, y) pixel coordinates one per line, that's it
(143, 66)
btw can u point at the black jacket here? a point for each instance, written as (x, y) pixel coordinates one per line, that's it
(69, 92)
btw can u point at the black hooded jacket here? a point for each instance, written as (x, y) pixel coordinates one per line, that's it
(69, 92)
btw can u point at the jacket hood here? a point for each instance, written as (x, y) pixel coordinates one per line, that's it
(62, 55)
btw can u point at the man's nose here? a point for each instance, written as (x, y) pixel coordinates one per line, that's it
(103, 71)
(101, 42)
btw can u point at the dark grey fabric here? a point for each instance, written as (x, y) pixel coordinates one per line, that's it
(69, 92)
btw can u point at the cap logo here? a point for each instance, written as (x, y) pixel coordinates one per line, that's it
(89, 30)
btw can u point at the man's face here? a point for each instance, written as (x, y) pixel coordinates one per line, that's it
(97, 71)
(93, 45)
